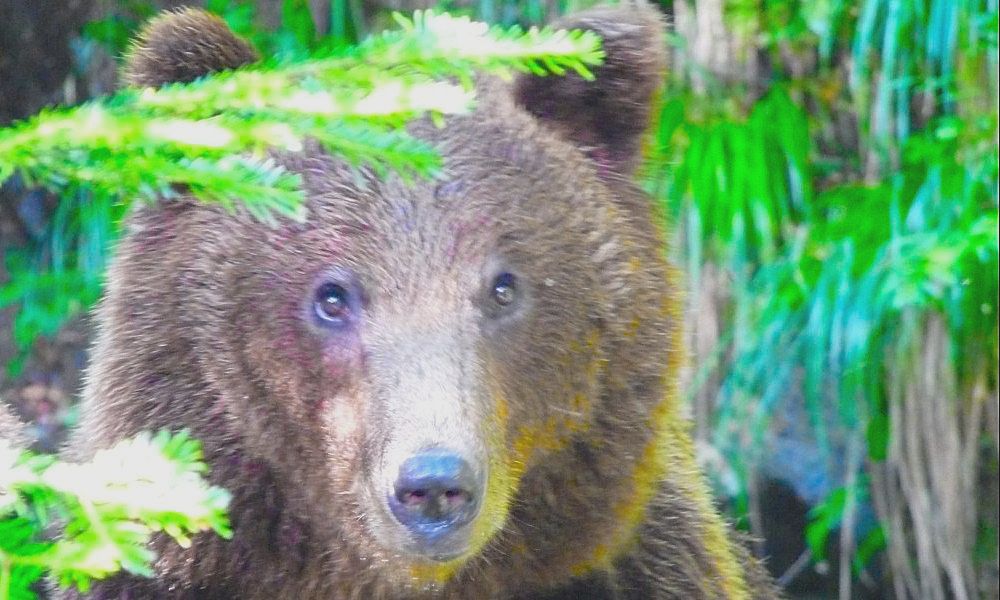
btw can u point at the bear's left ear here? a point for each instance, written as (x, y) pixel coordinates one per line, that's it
(605, 117)
(181, 46)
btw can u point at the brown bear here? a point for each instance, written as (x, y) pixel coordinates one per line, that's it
(463, 387)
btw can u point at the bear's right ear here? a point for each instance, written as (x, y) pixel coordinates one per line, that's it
(608, 116)
(181, 46)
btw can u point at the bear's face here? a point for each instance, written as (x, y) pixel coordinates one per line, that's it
(427, 342)
(409, 357)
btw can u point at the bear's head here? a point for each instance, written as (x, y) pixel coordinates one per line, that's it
(443, 375)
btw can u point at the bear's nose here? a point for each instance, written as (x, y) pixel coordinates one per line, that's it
(436, 492)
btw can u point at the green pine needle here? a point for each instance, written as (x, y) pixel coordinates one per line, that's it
(142, 143)
(108, 509)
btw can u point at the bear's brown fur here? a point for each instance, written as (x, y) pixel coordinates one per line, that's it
(568, 398)
(11, 429)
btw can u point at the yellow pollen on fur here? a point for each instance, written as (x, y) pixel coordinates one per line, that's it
(506, 470)
(503, 478)
(646, 475)
(685, 468)
(716, 540)
(670, 447)
(633, 328)
(601, 557)
(503, 482)
(670, 451)
(437, 573)
(557, 430)
(634, 264)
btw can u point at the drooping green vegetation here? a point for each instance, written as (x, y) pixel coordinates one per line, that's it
(837, 194)
(79, 522)
(141, 143)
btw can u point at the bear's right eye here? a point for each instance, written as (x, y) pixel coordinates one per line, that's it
(504, 290)
(332, 304)
(503, 296)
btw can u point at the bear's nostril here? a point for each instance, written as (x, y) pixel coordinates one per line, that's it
(435, 492)
(413, 497)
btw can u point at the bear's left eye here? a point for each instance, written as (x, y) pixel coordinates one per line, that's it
(331, 304)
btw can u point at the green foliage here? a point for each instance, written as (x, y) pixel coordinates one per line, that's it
(213, 137)
(106, 510)
(116, 30)
(827, 517)
(295, 37)
(836, 256)
(210, 136)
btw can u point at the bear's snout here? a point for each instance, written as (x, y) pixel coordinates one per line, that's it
(435, 495)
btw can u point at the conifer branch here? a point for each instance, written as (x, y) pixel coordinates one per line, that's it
(107, 510)
(143, 143)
